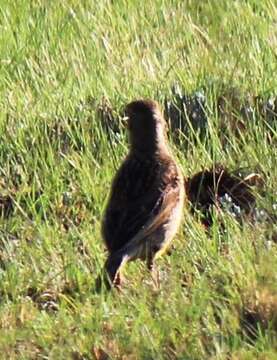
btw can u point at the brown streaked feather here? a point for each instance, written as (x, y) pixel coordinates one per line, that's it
(156, 221)
(146, 200)
(152, 180)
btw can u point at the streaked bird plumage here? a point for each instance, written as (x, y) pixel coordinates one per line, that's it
(145, 205)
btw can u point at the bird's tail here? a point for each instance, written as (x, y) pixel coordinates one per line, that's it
(111, 276)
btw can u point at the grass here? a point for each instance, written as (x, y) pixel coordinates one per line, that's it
(218, 297)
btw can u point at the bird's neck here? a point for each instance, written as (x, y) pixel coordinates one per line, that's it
(152, 149)
(150, 145)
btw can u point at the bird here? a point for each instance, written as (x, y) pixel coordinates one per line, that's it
(145, 204)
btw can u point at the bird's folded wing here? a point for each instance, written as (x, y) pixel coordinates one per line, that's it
(166, 204)
(138, 205)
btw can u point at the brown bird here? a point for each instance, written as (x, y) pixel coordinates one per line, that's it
(146, 200)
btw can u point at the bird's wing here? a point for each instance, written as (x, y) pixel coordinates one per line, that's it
(172, 194)
(141, 199)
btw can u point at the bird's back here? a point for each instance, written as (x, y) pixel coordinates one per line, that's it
(136, 196)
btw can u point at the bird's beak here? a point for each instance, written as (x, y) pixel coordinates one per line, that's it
(125, 119)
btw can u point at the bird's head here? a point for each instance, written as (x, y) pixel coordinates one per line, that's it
(146, 125)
